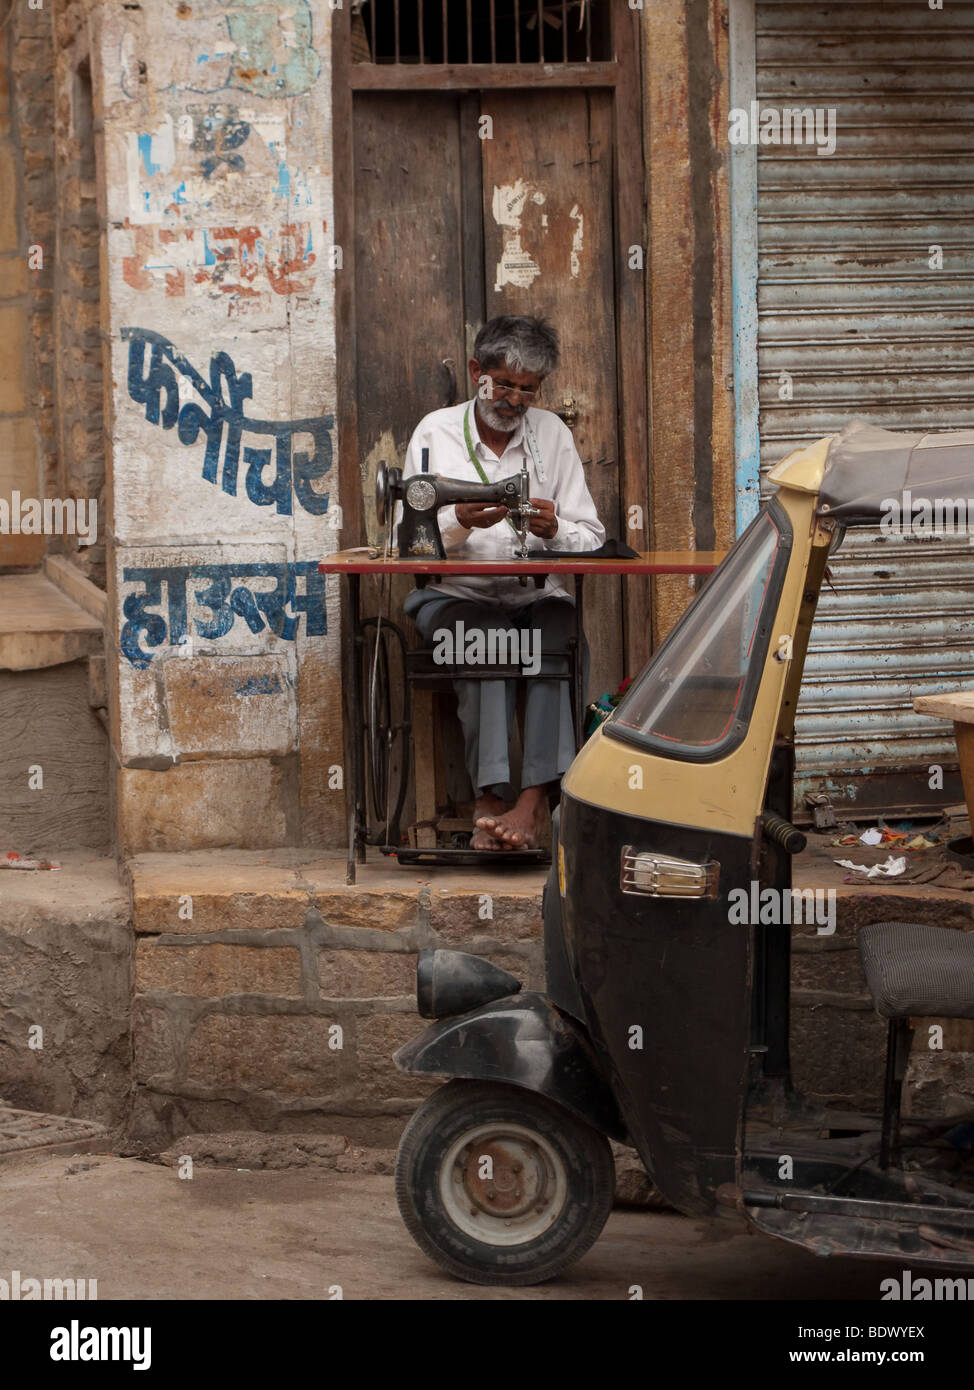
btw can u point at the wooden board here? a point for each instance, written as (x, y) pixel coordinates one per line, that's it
(959, 706)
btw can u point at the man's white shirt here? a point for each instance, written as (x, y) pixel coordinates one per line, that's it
(560, 478)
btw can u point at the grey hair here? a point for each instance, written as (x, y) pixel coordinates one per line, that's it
(523, 344)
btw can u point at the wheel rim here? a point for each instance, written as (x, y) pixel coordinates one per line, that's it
(515, 1197)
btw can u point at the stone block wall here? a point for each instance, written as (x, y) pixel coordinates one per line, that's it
(213, 128)
(280, 1010)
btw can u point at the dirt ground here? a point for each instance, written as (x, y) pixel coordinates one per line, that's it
(145, 1233)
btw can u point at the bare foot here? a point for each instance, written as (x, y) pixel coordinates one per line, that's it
(521, 827)
(481, 840)
(486, 808)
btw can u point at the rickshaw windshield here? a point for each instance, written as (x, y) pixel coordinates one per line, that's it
(694, 698)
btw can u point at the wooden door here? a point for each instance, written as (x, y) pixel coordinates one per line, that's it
(408, 284)
(547, 190)
(467, 206)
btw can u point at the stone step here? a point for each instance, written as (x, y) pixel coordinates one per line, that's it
(40, 625)
(262, 993)
(275, 888)
(247, 962)
(269, 994)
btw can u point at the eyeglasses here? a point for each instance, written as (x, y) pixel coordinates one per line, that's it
(508, 388)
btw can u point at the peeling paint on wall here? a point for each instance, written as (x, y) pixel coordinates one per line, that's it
(256, 47)
(274, 54)
(225, 261)
(218, 212)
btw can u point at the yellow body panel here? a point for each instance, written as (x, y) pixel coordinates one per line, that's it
(802, 469)
(726, 795)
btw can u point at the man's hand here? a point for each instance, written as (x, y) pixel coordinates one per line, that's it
(480, 514)
(545, 524)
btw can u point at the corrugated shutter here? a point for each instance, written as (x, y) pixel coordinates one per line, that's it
(851, 309)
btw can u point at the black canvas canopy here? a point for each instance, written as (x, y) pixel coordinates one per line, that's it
(868, 468)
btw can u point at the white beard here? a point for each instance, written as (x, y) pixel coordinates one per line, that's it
(501, 423)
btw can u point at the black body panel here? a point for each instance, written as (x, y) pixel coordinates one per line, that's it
(679, 971)
(560, 985)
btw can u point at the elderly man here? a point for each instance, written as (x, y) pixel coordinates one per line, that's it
(484, 440)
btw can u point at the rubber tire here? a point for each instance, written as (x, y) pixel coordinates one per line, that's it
(439, 1122)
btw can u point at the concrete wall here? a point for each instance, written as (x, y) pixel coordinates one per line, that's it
(213, 126)
(47, 722)
(66, 991)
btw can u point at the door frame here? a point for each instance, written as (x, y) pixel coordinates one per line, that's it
(623, 79)
(743, 169)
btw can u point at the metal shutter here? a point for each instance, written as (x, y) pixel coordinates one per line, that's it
(850, 309)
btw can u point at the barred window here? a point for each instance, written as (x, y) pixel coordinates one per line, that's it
(440, 32)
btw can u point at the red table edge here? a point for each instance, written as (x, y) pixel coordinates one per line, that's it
(517, 567)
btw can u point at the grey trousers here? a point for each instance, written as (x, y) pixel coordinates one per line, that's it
(486, 708)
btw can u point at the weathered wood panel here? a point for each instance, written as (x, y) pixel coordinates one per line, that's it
(408, 297)
(549, 249)
(632, 280)
(407, 280)
(671, 316)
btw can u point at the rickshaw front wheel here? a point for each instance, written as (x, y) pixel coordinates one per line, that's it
(500, 1185)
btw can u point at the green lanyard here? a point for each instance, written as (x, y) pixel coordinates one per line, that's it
(477, 464)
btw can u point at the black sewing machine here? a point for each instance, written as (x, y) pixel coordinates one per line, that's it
(422, 495)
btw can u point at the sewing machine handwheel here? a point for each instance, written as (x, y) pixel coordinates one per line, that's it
(386, 487)
(381, 492)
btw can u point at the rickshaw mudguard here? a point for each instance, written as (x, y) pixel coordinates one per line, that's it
(522, 1040)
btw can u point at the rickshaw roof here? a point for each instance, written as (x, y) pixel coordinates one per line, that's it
(858, 470)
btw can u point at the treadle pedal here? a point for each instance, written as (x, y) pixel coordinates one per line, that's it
(408, 855)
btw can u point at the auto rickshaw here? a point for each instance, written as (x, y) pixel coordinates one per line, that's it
(665, 1021)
